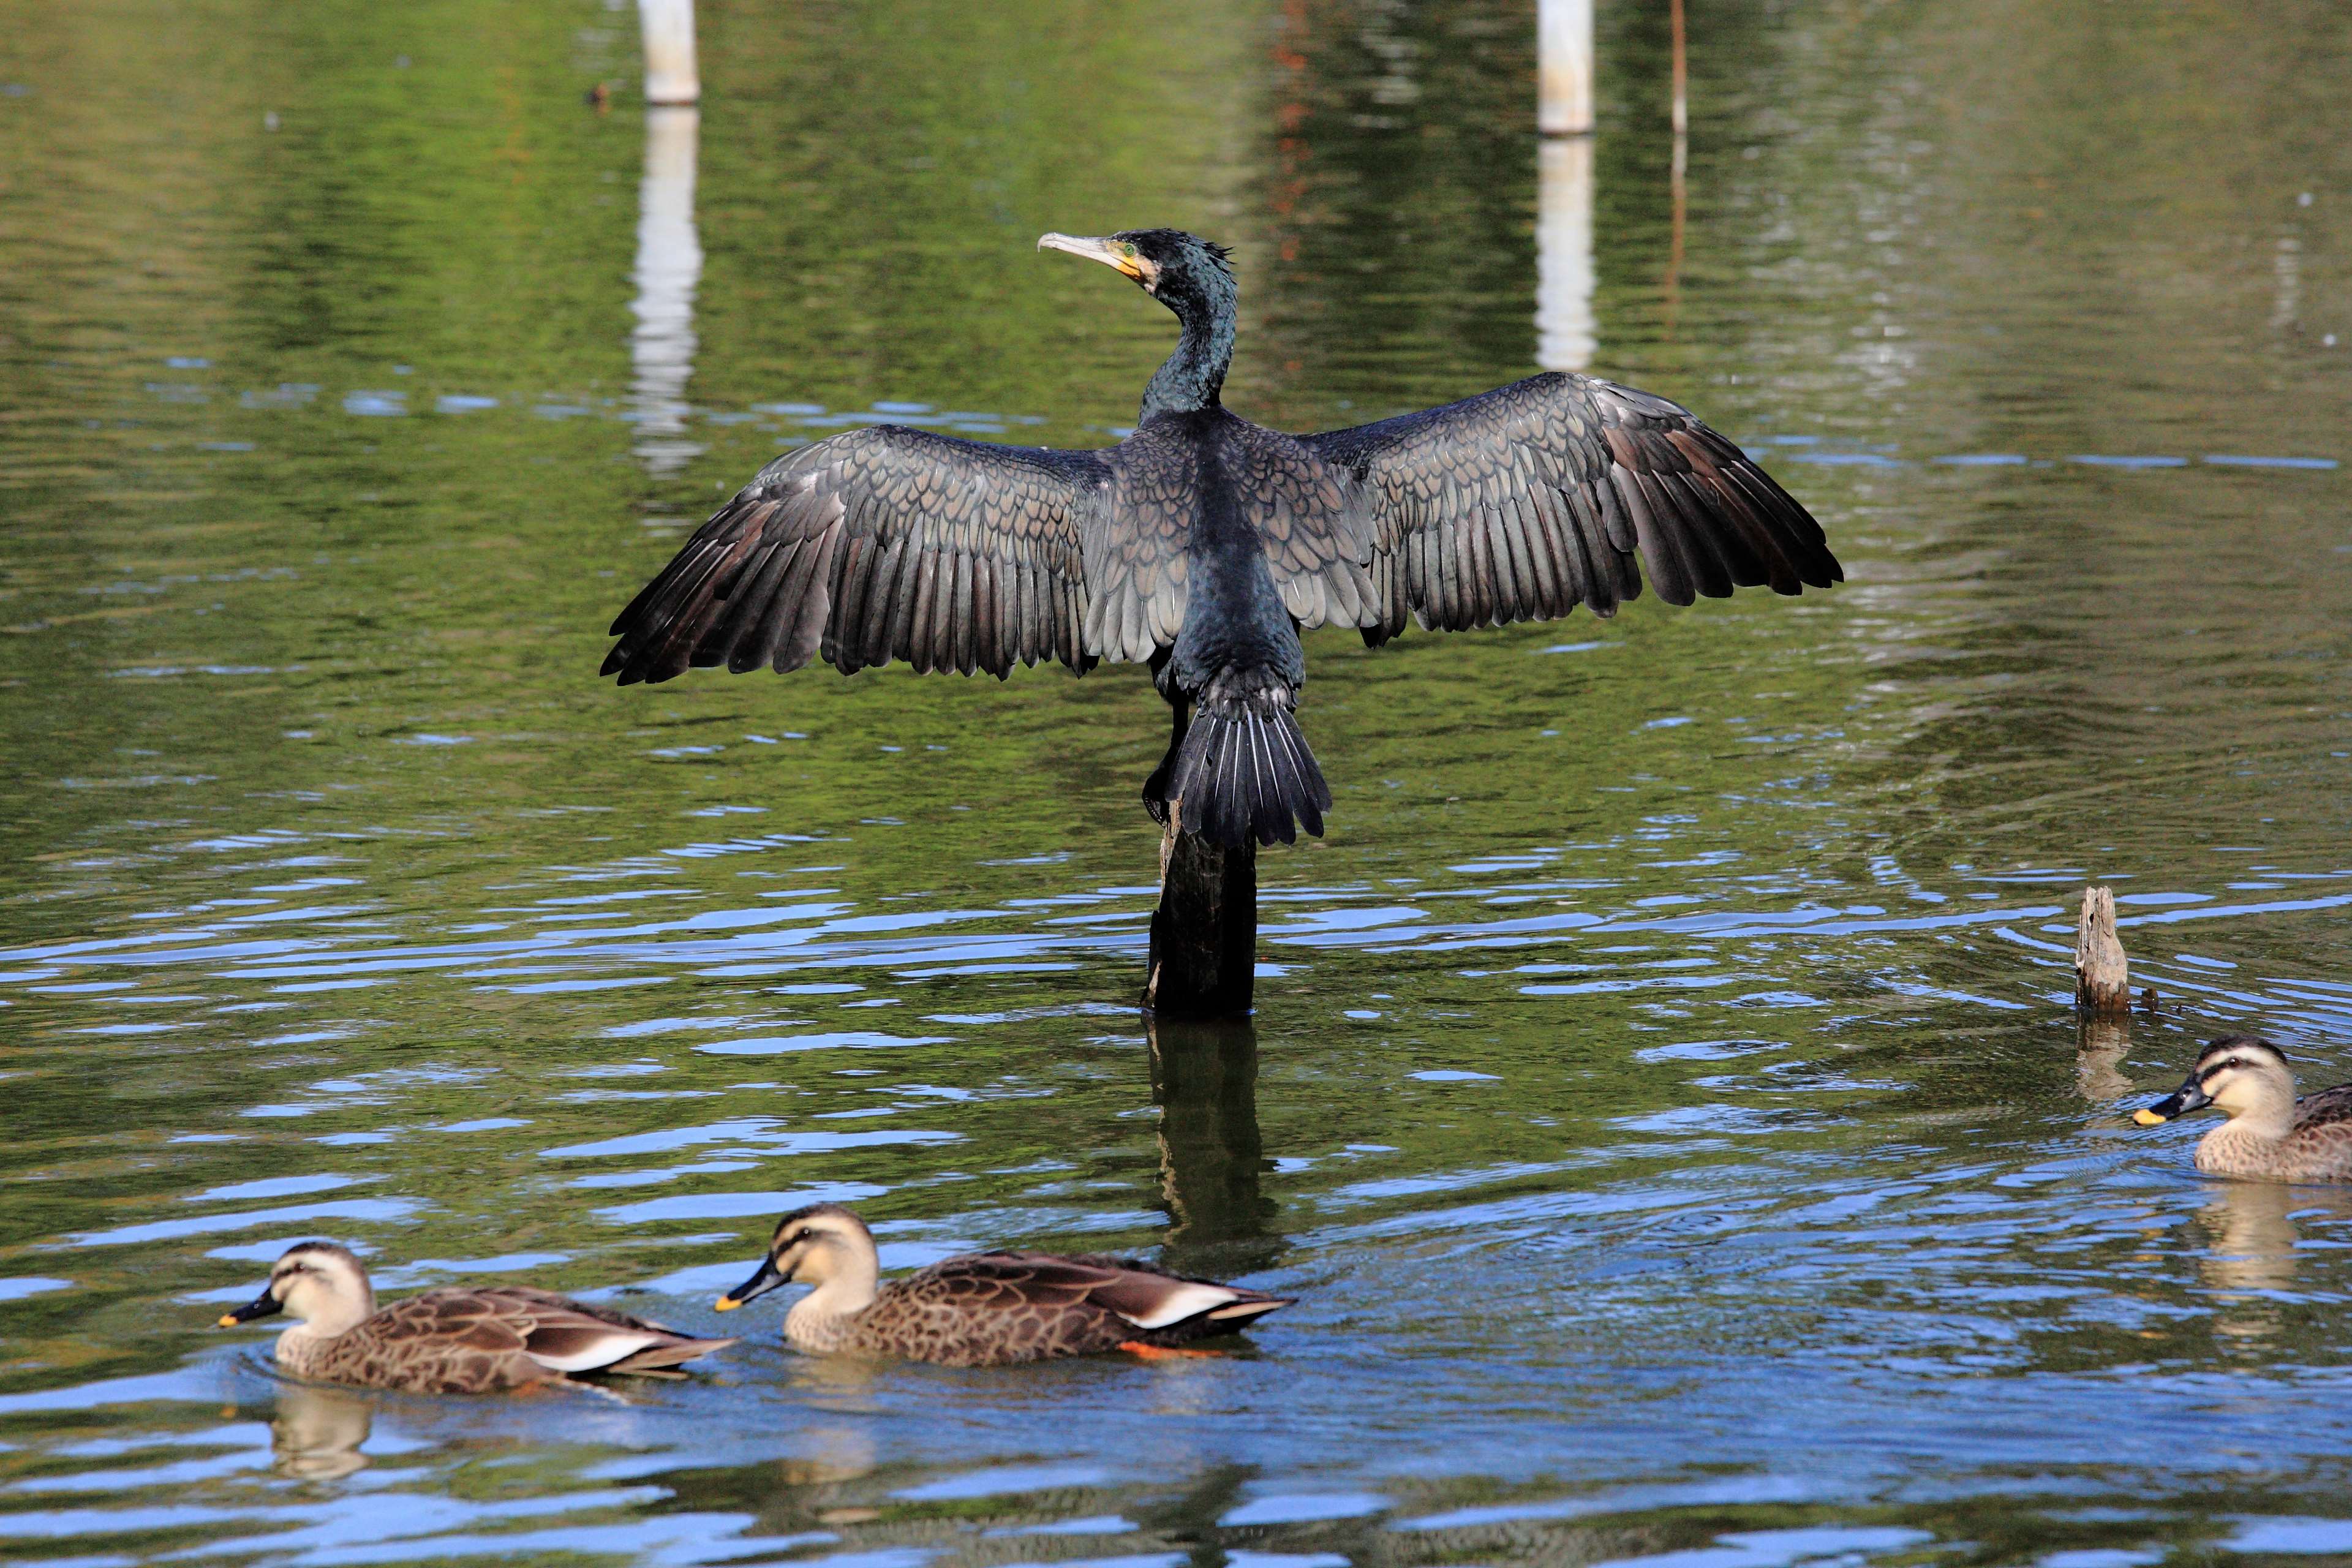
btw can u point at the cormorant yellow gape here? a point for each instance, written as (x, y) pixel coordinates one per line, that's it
(1202, 543)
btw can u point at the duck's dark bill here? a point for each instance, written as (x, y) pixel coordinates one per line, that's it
(2190, 1095)
(263, 1306)
(760, 1284)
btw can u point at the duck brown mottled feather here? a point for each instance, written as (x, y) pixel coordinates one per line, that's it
(875, 544)
(2319, 1149)
(1525, 501)
(2327, 1108)
(487, 1340)
(995, 1309)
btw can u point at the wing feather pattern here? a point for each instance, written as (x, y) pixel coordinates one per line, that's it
(1527, 501)
(877, 544)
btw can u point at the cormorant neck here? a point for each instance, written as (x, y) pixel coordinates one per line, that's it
(1195, 374)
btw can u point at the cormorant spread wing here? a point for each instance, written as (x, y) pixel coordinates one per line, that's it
(1525, 501)
(1202, 542)
(875, 544)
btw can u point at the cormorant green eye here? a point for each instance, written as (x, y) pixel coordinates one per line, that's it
(1127, 251)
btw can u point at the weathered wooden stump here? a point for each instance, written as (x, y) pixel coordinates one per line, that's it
(1203, 961)
(2102, 977)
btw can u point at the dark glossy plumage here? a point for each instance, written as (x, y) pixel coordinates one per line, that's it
(1526, 502)
(1202, 544)
(878, 545)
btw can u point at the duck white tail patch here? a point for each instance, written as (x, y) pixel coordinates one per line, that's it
(1186, 1301)
(601, 1351)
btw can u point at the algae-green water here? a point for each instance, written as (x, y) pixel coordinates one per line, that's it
(1663, 1095)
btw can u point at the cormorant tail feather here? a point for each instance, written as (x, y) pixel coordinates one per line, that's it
(1244, 771)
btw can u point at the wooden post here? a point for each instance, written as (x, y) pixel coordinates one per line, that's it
(2102, 977)
(671, 73)
(1564, 67)
(1203, 961)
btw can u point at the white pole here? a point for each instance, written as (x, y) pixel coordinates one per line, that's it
(669, 265)
(1564, 67)
(1565, 337)
(671, 73)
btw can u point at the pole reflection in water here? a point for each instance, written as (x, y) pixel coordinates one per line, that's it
(1565, 337)
(316, 1433)
(1679, 191)
(2100, 1044)
(1205, 1080)
(669, 265)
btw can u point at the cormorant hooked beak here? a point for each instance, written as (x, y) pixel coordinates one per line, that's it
(764, 1279)
(2190, 1095)
(1109, 252)
(262, 1306)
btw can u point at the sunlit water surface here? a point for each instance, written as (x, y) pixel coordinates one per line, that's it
(1663, 1097)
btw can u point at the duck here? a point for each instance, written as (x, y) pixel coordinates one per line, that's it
(984, 1309)
(491, 1339)
(2269, 1134)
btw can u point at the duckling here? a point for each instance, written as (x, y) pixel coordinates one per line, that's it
(988, 1308)
(460, 1340)
(2270, 1134)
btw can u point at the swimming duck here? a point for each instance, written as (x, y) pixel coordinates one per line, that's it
(2270, 1134)
(459, 1340)
(988, 1308)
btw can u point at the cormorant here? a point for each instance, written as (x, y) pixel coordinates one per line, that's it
(1202, 543)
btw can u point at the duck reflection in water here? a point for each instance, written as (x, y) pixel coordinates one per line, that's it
(316, 1433)
(2249, 1264)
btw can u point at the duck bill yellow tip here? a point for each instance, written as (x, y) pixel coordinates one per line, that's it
(725, 1304)
(2148, 1118)
(225, 1320)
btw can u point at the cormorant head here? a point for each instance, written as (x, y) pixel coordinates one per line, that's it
(1183, 271)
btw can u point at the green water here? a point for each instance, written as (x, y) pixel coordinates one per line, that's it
(1661, 1095)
